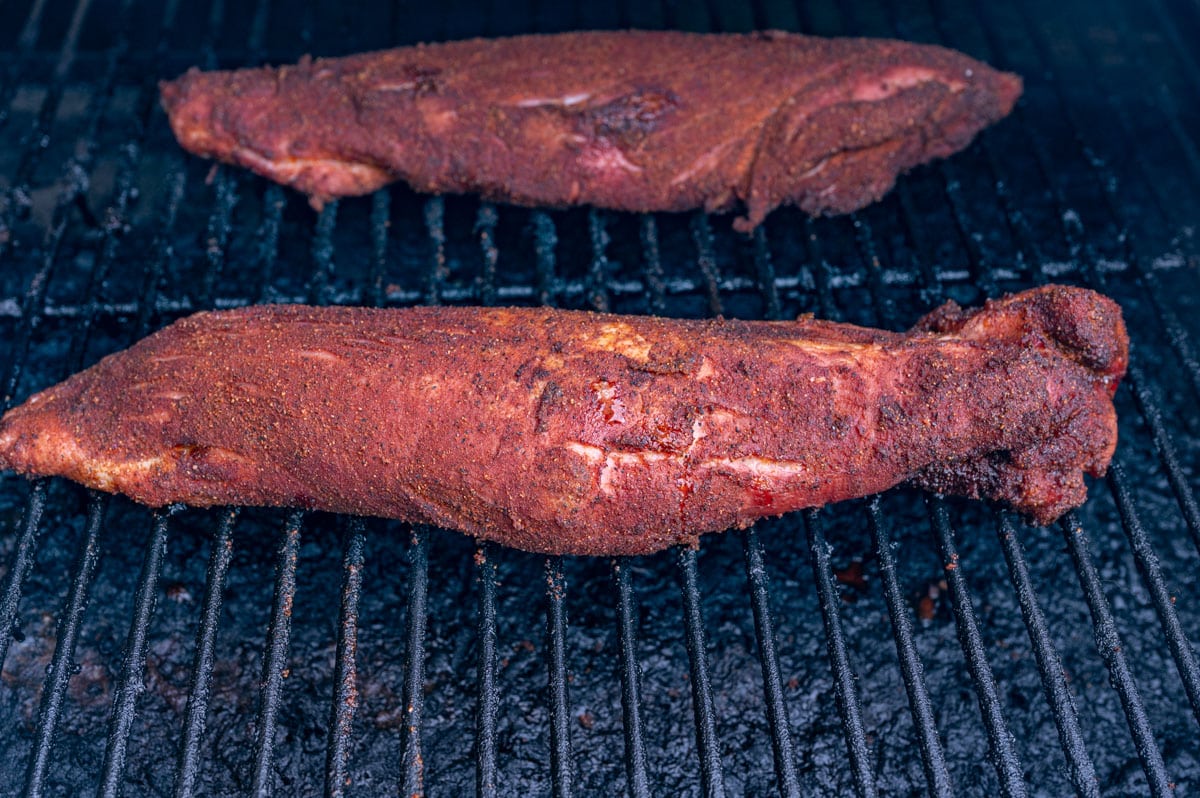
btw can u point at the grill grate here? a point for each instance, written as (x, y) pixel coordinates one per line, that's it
(854, 268)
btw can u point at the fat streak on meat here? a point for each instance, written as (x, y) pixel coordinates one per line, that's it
(574, 432)
(632, 120)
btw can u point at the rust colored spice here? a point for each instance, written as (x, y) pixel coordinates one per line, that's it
(572, 432)
(634, 120)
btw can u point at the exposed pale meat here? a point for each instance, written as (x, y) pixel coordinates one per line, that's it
(573, 432)
(632, 120)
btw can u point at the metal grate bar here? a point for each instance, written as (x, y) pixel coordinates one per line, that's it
(707, 260)
(488, 694)
(26, 42)
(18, 567)
(1000, 740)
(1146, 558)
(1104, 627)
(561, 771)
(1054, 681)
(33, 307)
(1108, 186)
(1108, 644)
(18, 195)
(598, 273)
(768, 655)
(545, 239)
(980, 259)
(656, 288)
(345, 688)
(933, 757)
(381, 210)
(267, 239)
(195, 715)
(319, 288)
(1151, 411)
(712, 776)
(849, 703)
(932, 290)
(54, 689)
(485, 225)
(1165, 105)
(932, 754)
(885, 308)
(1190, 67)
(412, 763)
(1164, 603)
(216, 237)
(435, 224)
(631, 702)
(276, 655)
(163, 249)
(133, 667)
(765, 273)
(821, 272)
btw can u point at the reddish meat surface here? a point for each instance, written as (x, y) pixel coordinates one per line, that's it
(573, 432)
(633, 120)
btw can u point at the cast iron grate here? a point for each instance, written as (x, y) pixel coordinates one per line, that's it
(1049, 195)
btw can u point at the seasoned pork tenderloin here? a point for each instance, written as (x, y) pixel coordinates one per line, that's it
(630, 120)
(582, 433)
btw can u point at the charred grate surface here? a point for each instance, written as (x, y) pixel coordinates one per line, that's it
(891, 646)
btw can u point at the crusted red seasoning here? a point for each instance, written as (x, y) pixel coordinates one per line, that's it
(502, 423)
(629, 120)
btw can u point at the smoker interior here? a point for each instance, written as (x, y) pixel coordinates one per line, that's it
(901, 645)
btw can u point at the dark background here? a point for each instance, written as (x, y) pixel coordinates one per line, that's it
(107, 230)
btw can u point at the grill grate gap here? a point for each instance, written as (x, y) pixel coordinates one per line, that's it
(345, 675)
(195, 715)
(275, 655)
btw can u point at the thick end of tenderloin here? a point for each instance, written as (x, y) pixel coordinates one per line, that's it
(1077, 432)
(276, 122)
(841, 144)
